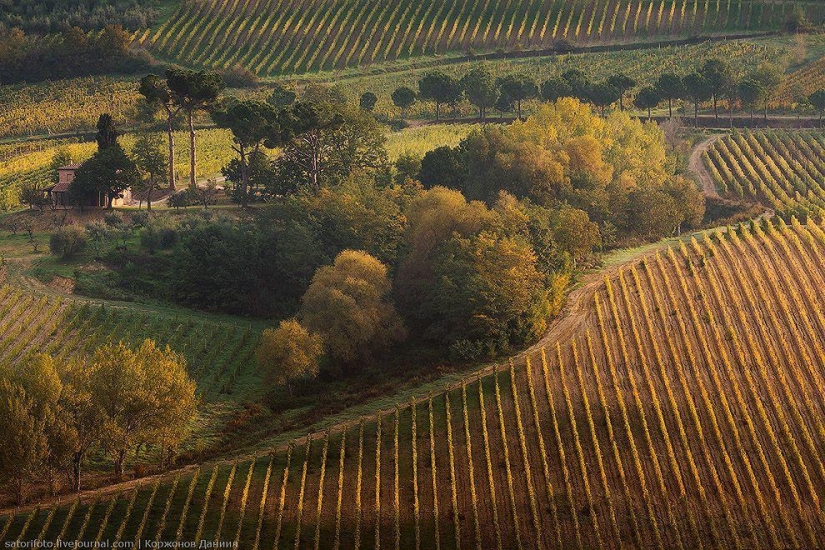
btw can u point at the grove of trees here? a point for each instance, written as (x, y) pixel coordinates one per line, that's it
(54, 413)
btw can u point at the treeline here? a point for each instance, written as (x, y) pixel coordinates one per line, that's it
(715, 82)
(54, 16)
(73, 52)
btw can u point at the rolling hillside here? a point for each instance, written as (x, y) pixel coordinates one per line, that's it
(684, 411)
(277, 37)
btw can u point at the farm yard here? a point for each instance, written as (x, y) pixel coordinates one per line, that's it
(683, 411)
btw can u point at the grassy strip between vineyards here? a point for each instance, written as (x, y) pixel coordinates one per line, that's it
(686, 411)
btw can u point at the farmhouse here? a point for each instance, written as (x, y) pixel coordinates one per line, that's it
(58, 194)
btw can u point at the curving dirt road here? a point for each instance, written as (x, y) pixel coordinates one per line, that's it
(697, 167)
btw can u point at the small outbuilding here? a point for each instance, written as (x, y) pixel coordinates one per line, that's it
(58, 194)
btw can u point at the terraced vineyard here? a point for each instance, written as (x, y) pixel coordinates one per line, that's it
(272, 37)
(685, 412)
(784, 170)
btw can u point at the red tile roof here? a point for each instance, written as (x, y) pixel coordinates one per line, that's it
(61, 187)
(74, 166)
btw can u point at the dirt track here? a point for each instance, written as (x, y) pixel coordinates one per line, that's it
(697, 167)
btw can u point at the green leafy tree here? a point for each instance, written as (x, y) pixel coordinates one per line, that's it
(157, 93)
(770, 77)
(108, 173)
(281, 96)
(444, 166)
(367, 101)
(107, 133)
(144, 395)
(465, 281)
(555, 88)
(518, 88)
(670, 88)
(259, 174)
(817, 101)
(24, 445)
(648, 98)
(193, 91)
(289, 353)
(751, 93)
(504, 104)
(623, 83)
(579, 83)
(720, 76)
(480, 89)
(574, 233)
(67, 242)
(603, 95)
(150, 162)
(252, 123)
(349, 305)
(83, 415)
(328, 142)
(97, 235)
(403, 98)
(697, 90)
(440, 88)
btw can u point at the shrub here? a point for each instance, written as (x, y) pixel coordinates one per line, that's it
(140, 218)
(67, 242)
(179, 200)
(113, 219)
(159, 235)
(239, 77)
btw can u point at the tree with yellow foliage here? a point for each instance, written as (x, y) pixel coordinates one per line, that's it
(144, 396)
(288, 353)
(349, 305)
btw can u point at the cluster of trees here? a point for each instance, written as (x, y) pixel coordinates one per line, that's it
(478, 86)
(71, 53)
(53, 414)
(714, 81)
(52, 16)
(321, 139)
(470, 247)
(616, 169)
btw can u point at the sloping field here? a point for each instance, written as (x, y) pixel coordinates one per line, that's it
(272, 37)
(805, 81)
(220, 355)
(686, 412)
(784, 170)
